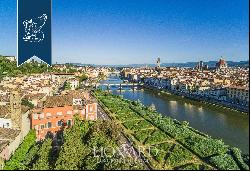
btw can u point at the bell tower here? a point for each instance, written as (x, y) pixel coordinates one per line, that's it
(15, 108)
(158, 62)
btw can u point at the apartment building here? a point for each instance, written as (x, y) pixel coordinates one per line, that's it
(238, 93)
(57, 112)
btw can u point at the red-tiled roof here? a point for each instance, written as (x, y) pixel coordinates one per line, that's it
(8, 133)
(4, 111)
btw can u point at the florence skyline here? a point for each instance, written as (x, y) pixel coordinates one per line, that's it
(130, 32)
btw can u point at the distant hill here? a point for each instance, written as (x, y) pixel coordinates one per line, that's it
(241, 63)
(210, 64)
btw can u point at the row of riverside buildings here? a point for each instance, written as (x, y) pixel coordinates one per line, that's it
(228, 85)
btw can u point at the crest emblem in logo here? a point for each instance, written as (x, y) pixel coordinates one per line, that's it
(33, 29)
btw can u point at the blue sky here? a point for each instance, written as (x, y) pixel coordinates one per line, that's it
(138, 31)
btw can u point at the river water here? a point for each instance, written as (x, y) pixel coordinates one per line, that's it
(230, 126)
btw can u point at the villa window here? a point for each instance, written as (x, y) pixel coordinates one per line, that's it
(35, 116)
(59, 123)
(59, 113)
(42, 126)
(69, 112)
(41, 116)
(49, 124)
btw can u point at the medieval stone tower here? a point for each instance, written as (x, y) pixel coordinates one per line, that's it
(15, 108)
(158, 62)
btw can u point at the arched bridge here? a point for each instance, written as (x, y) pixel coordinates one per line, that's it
(120, 85)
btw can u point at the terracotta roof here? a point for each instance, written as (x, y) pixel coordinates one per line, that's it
(221, 62)
(34, 96)
(53, 101)
(8, 134)
(64, 100)
(4, 111)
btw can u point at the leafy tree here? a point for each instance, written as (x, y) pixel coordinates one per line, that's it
(27, 103)
(20, 154)
(30, 157)
(10, 68)
(83, 78)
(44, 156)
(73, 151)
(67, 86)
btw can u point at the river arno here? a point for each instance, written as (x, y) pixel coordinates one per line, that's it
(231, 126)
